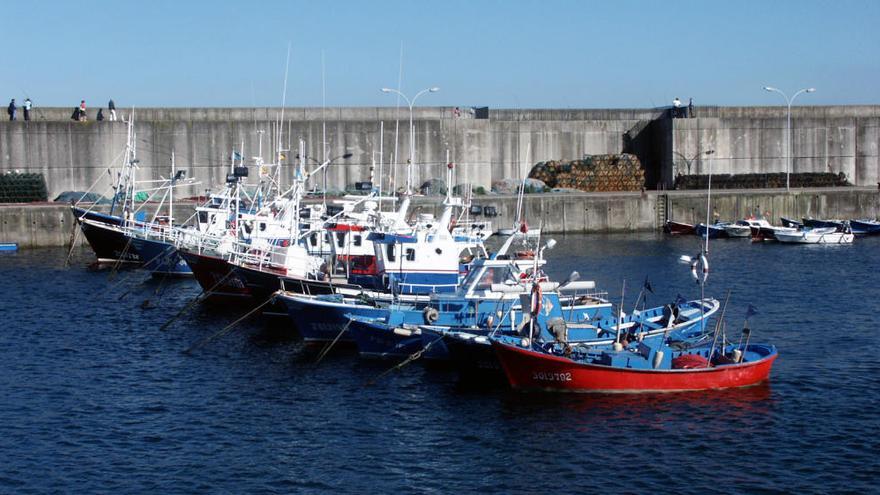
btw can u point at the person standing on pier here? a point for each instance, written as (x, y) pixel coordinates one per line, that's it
(82, 111)
(676, 108)
(112, 107)
(27, 109)
(690, 108)
(11, 109)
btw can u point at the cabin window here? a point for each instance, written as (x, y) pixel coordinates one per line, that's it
(313, 239)
(262, 226)
(340, 239)
(358, 240)
(203, 217)
(410, 254)
(389, 252)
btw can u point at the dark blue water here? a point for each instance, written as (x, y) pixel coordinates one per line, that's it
(95, 398)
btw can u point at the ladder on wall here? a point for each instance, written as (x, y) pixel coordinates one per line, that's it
(662, 210)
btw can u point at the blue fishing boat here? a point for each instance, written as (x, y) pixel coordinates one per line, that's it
(715, 230)
(865, 227)
(787, 222)
(491, 286)
(160, 257)
(470, 348)
(839, 225)
(389, 337)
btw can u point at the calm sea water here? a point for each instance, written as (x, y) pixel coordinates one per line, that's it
(94, 397)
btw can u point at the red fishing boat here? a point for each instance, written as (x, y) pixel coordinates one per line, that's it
(640, 367)
(678, 228)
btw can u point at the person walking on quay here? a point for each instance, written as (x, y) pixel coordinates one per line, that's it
(676, 108)
(27, 109)
(112, 107)
(100, 116)
(11, 109)
(690, 108)
(82, 111)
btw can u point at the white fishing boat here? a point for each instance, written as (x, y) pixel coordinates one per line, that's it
(738, 229)
(824, 235)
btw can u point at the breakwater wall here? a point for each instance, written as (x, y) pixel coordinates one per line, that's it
(47, 224)
(504, 144)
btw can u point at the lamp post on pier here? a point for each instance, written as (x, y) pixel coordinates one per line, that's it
(788, 102)
(690, 160)
(412, 131)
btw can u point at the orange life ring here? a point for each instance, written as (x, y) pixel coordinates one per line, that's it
(537, 298)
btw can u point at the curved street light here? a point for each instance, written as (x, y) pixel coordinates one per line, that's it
(788, 101)
(412, 132)
(688, 161)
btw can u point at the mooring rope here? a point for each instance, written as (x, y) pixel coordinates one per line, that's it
(412, 357)
(227, 328)
(329, 346)
(201, 296)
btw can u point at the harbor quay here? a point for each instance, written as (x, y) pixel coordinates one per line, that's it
(486, 145)
(50, 224)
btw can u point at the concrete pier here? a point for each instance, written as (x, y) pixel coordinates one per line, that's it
(43, 225)
(506, 144)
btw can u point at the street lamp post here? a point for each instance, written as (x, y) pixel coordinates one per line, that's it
(688, 161)
(412, 131)
(788, 101)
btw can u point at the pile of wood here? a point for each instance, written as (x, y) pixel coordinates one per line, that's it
(595, 173)
(22, 188)
(760, 181)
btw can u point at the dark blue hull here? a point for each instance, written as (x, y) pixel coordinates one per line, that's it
(160, 258)
(109, 243)
(815, 223)
(714, 231)
(96, 216)
(382, 341)
(316, 323)
(865, 227)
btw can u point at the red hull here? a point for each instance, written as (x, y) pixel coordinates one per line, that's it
(678, 228)
(218, 276)
(527, 369)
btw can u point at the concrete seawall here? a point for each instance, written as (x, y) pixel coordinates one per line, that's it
(44, 225)
(75, 155)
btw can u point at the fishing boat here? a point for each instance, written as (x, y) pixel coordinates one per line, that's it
(714, 231)
(110, 242)
(678, 228)
(646, 366)
(157, 250)
(762, 230)
(154, 241)
(787, 222)
(821, 235)
(739, 229)
(865, 227)
(470, 348)
(839, 225)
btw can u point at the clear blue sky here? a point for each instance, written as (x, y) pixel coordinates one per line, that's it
(503, 54)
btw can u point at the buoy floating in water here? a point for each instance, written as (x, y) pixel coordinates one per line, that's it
(8, 246)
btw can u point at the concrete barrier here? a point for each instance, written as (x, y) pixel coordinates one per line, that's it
(74, 155)
(49, 224)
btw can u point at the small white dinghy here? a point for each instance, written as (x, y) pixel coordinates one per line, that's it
(825, 235)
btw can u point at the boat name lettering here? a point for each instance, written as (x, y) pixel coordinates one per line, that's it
(548, 376)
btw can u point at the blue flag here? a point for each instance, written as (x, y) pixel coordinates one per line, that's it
(751, 311)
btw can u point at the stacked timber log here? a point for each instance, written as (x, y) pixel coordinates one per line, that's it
(595, 173)
(22, 188)
(760, 181)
